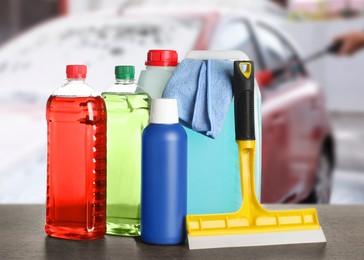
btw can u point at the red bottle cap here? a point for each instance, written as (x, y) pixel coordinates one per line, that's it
(76, 71)
(162, 58)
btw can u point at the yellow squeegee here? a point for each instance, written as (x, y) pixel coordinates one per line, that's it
(251, 225)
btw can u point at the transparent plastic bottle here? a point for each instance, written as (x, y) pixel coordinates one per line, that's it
(76, 172)
(128, 115)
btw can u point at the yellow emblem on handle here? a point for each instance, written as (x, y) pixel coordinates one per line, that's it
(246, 69)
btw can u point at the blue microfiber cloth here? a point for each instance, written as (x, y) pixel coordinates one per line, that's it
(203, 89)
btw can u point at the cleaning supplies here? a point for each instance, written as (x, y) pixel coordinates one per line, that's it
(213, 166)
(160, 65)
(127, 116)
(252, 225)
(76, 172)
(164, 176)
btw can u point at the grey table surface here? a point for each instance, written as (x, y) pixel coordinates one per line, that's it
(22, 237)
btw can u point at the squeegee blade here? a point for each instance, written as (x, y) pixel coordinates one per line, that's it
(261, 239)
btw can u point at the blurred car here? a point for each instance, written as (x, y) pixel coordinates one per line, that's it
(298, 147)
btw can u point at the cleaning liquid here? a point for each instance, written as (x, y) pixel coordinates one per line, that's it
(213, 166)
(127, 116)
(213, 170)
(76, 173)
(222, 192)
(160, 65)
(164, 176)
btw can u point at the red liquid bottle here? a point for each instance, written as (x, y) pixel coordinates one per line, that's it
(76, 170)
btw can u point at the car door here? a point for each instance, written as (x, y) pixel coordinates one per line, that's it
(287, 121)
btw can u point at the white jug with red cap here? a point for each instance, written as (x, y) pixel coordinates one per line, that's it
(160, 65)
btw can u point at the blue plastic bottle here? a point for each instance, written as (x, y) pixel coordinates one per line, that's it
(164, 176)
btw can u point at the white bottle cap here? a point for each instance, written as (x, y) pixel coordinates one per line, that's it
(164, 111)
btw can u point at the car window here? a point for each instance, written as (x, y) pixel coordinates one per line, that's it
(277, 53)
(235, 35)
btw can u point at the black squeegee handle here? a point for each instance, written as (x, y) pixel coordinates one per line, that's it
(243, 90)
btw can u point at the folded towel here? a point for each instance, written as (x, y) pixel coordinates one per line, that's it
(203, 89)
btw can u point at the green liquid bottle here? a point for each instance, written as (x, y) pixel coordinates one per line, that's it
(127, 116)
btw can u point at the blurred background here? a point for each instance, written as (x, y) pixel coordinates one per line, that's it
(313, 113)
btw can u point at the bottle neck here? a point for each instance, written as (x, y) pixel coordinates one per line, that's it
(124, 81)
(76, 79)
(75, 87)
(169, 68)
(122, 86)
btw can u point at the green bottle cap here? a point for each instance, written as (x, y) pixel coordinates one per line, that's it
(124, 72)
